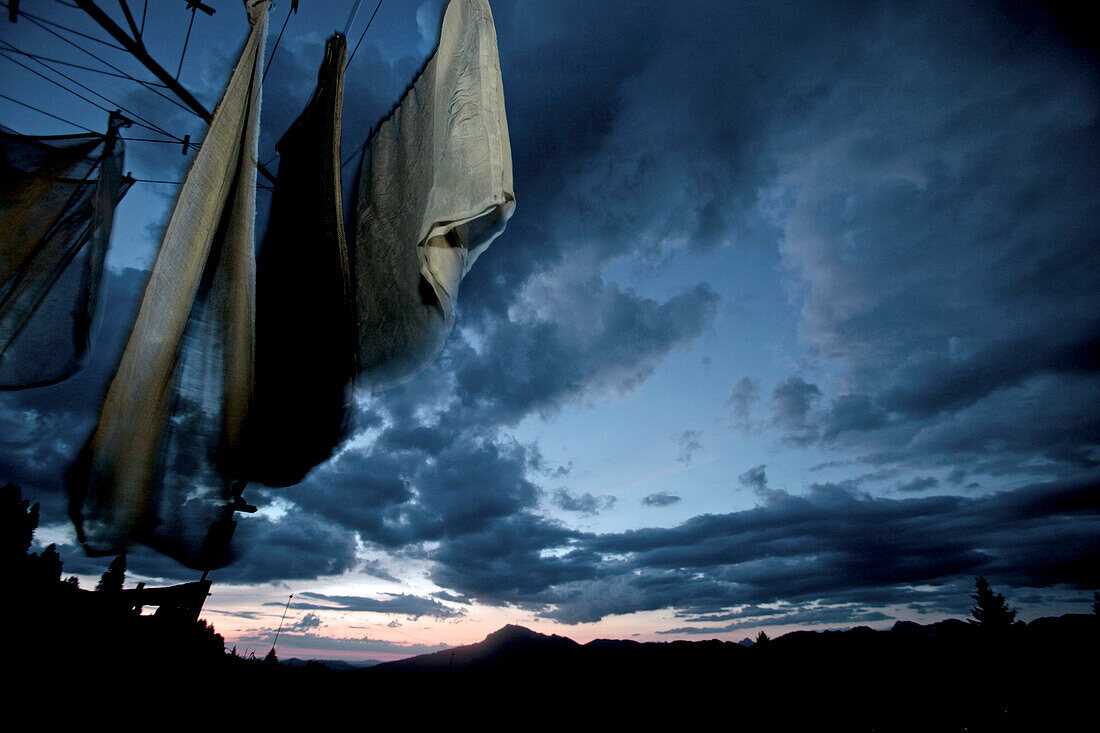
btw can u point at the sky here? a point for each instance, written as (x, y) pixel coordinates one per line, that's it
(795, 326)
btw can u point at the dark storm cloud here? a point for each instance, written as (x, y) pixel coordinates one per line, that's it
(509, 560)
(42, 429)
(375, 569)
(844, 546)
(940, 258)
(929, 176)
(576, 339)
(810, 616)
(921, 483)
(661, 498)
(297, 546)
(402, 604)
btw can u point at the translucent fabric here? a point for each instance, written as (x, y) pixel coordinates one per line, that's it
(159, 465)
(57, 201)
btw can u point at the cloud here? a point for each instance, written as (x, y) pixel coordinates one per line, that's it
(582, 504)
(290, 643)
(846, 614)
(297, 546)
(923, 483)
(742, 397)
(837, 546)
(791, 402)
(402, 604)
(756, 479)
(306, 623)
(661, 498)
(935, 222)
(571, 339)
(689, 443)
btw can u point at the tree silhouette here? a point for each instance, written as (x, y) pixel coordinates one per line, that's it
(18, 520)
(762, 639)
(992, 611)
(114, 576)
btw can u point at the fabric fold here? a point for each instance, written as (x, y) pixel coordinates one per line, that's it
(157, 467)
(435, 189)
(305, 313)
(57, 200)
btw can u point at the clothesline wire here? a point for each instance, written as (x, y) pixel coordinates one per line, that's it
(186, 40)
(94, 70)
(53, 81)
(134, 117)
(39, 21)
(260, 186)
(364, 33)
(190, 143)
(48, 114)
(271, 59)
(148, 85)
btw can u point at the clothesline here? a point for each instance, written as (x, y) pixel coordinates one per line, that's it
(119, 73)
(133, 116)
(151, 86)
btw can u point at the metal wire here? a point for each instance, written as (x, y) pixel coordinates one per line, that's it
(94, 70)
(364, 33)
(48, 114)
(135, 118)
(271, 59)
(186, 40)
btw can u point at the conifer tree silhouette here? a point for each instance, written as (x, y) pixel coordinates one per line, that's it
(114, 576)
(992, 611)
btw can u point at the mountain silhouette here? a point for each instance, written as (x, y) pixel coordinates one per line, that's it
(507, 648)
(947, 676)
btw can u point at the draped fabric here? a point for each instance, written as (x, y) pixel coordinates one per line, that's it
(158, 465)
(305, 315)
(57, 202)
(435, 189)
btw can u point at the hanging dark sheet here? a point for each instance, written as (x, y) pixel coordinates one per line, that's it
(305, 316)
(57, 201)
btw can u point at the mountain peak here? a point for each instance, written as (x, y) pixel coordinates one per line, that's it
(513, 631)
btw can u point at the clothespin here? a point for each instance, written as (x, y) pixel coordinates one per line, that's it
(186, 144)
(194, 5)
(13, 9)
(115, 121)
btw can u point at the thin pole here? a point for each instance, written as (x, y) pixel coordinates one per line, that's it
(137, 49)
(281, 623)
(351, 16)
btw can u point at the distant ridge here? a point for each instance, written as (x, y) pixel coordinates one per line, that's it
(945, 676)
(508, 645)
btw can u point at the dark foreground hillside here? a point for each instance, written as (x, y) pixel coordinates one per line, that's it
(949, 676)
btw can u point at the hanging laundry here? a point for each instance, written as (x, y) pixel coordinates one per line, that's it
(57, 201)
(158, 466)
(435, 189)
(305, 314)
